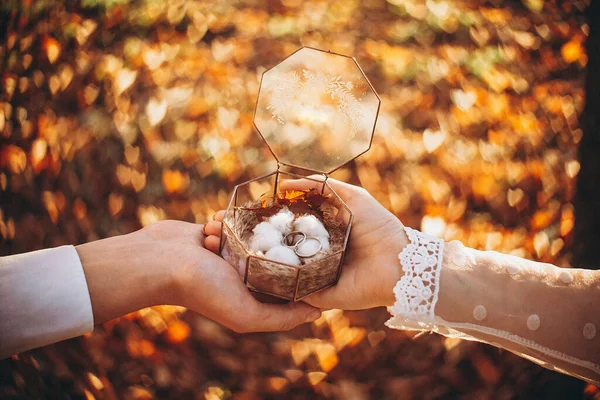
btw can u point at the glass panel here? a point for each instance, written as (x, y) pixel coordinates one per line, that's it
(272, 277)
(233, 251)
(318, 183)
(318, 275)
(316, 110)
(342, 213)
(262, 187)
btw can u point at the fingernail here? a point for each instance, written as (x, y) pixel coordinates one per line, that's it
(313, 316)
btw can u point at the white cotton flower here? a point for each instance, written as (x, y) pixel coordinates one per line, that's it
(283, 254)
(311, 226)
(325, 243)
(283, 220)
(265, 237)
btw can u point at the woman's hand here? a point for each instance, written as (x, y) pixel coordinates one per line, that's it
(371, 267)
(166, 263)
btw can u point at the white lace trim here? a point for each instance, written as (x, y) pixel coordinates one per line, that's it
(417, 291)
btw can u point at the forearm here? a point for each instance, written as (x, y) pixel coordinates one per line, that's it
(536, 310)
(126, 273)
(531, 308)
(518, 287)
(60, 293)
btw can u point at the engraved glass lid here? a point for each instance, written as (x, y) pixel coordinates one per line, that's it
(316, 110)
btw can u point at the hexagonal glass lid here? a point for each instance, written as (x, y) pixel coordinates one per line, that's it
(316, 110)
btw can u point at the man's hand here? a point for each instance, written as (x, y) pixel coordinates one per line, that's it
(166, 263)
(371, 266)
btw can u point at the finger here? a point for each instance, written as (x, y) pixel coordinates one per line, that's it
(280, 317)
(212, 243)
(213, 228)
(219, 215)
(201, 235)
(236, 308)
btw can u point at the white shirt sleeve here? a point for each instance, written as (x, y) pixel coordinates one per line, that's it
(44, 298)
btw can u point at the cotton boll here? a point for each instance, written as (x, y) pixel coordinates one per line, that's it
(283, 254)
(283, 220)
(311, 226)
(265, 237)
(264, 228)
(325, 242)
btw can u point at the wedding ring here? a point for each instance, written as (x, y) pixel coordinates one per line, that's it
(293, 243)
(308, 255)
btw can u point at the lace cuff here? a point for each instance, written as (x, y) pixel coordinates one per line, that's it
(417, 291)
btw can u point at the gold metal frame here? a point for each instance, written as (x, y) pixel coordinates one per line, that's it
(278, 173)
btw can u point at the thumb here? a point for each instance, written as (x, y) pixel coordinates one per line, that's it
(283, 317)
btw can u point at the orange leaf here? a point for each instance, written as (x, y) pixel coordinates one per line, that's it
(293, 195)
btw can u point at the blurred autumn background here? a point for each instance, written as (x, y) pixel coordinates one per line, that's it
(115, 114)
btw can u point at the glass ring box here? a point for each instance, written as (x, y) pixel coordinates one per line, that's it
(316, 111)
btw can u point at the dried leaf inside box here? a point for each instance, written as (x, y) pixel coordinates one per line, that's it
(316, 111)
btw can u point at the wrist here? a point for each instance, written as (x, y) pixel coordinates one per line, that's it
(121, 275)
(393, 268)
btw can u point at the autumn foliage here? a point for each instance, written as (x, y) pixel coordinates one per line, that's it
(299, 202)
(115, 114)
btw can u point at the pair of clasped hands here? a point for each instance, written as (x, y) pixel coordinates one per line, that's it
(173, 262)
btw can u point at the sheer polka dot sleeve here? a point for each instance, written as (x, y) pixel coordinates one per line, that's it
(538, 311)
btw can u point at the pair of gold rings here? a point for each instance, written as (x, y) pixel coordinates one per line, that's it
(294, 239)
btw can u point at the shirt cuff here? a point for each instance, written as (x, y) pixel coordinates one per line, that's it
(44, 298)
